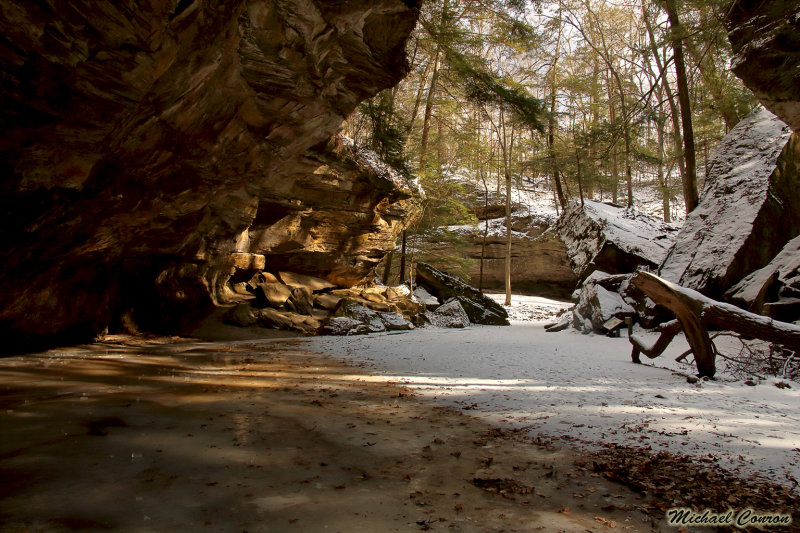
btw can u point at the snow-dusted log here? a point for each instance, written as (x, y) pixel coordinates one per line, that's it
(693, 311)
(667, 331)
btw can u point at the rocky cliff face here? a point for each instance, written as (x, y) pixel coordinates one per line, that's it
(339, 215)
(141, 140)
(765, 36)
(539, 261)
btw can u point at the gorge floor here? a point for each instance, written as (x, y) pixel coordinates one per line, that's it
(167, 435)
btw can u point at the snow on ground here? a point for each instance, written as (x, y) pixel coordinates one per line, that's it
(530, 308)
(584, 387)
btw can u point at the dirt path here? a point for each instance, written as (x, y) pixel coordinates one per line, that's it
(163, 435)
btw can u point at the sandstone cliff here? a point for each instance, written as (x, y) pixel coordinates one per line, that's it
(765, 36)
(142, 139)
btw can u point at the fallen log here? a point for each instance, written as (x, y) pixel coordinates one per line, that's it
(694, 311)
(667, 331)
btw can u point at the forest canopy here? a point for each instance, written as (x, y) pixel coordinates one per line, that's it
(597, 99)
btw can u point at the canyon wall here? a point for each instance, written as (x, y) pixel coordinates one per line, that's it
(765, 37)
(142, 139)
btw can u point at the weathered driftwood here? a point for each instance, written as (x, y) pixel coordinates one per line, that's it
(694, 311)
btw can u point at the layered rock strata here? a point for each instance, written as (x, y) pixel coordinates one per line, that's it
(539, 262)
(353, 208)
(140, 141)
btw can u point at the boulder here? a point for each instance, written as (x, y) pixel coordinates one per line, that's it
(242, 315)
(425, 298)
(351, 309)
(748, 211)
(258, 278)
(395, 321)
(613, 239)
(479, 308)
(342, 325)
(597, 305)
(303, 300)
(327, 301)
(280, 319)
(373, 294)
(272, 294)
(449, 315)
(241, 288)
(765, 40)
(773, 290)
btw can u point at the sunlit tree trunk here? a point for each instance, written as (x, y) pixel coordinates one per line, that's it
(551, 126)
(426, 122)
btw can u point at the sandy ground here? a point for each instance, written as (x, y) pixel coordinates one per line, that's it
(169, 435)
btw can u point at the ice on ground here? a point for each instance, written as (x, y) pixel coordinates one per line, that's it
(585, 387)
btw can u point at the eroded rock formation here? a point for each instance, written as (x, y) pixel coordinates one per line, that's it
(140, 140)
(338, 217)
(765, 36)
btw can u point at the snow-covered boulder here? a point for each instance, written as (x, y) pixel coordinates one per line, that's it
(394, 321)
(597, 304)
(614, 239)
(749, 209)
(425, 298)
(449, 315)
(773, 290)
(342, 325)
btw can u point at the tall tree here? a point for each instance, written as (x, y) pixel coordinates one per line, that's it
(690, 194)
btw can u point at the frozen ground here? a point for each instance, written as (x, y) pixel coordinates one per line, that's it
(584, 387)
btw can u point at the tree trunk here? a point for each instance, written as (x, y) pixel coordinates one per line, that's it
(612, 118)
(506, 162)
(662, 178)
(426, 123)
(417, 103)
(387, 268)
(485, 228)
(677, 137)
(626, 129)
(403, 258)
(551, 129)
(690, 194)
(508, 238)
